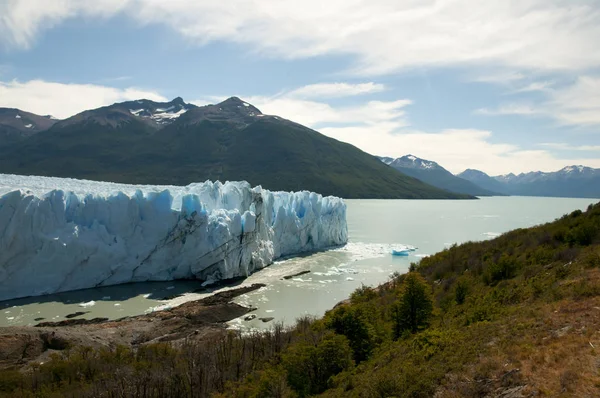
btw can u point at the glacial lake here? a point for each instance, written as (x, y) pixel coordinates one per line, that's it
(375, 227)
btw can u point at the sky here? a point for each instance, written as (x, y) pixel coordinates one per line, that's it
(497, 85)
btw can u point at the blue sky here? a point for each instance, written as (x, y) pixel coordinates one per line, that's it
(502, 85)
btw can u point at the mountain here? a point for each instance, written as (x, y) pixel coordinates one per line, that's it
(571, 181)
(434, 174)
(16, 125)
(174, 143)
(484, 181)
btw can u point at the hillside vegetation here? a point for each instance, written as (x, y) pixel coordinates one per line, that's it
(515, 316)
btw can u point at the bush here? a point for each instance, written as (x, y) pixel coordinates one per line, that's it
(504, 268)
(461, 291)
(582, 235)
(413, 310)
(352, 323)
(309, 367)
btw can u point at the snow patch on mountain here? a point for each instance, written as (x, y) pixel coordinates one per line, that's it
(160, 115)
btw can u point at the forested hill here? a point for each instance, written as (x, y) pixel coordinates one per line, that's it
(516, 316)
(175, 143)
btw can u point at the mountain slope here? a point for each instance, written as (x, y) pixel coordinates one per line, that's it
(483, 180)
(434, 174)
(228, 141)
(17, 125)
(571, 181)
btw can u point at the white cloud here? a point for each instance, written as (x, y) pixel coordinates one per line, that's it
(535, 86)
(21, 21)
(334, 90)
(568, 147)
(64, 100)
(384, 35)
(509, 109)
(499, 77)
(576, 104)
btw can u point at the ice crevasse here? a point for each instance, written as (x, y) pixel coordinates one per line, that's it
(59, 234)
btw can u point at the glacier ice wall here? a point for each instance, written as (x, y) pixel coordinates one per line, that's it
(62, 234)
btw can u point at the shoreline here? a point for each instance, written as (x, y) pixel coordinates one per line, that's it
(193, 320)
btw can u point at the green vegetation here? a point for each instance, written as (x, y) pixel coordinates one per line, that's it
(272, 152)
(517, 314)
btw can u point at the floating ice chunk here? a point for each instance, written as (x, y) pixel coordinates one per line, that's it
(18, 116)
(88, 304)
(29, 125)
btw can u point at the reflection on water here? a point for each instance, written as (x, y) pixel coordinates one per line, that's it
(375, 227)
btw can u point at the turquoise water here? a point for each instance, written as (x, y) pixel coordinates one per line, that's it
(375, 227)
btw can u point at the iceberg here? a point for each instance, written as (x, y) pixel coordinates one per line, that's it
(60, 234)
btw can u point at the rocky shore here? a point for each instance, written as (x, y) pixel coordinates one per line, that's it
(196, 320)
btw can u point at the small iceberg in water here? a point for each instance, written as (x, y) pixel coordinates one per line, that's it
(403, 251)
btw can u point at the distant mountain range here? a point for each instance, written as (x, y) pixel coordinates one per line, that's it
(146, 142)
(434, 174)
(571, 181)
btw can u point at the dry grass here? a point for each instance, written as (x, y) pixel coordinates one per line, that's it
(542, 350)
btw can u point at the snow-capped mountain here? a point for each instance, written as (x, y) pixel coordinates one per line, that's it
(16, 125)
(150, 113)
(413, 162)
(148, 142)
(160, 113)
(432, 173)
(570, 181)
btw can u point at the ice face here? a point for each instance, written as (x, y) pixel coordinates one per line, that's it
(62, 234)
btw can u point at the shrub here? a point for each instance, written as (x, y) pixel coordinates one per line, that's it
(582, 235)
(352, 323)
(504, 268)
(461, 291)
(309, 367)
(414, 308)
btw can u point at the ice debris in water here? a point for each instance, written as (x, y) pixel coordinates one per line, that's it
(66, 234)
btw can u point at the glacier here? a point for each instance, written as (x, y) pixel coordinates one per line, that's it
(60, 234)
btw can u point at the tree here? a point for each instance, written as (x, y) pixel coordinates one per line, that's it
(310, 366)
(352, 323)
(414, 307)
